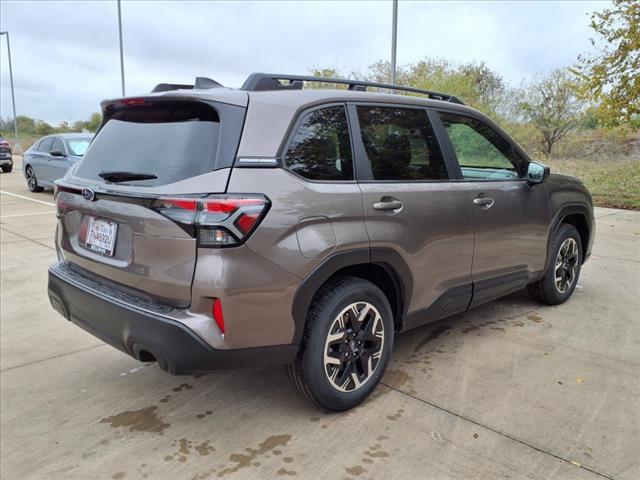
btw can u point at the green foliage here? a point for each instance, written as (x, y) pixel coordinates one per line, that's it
(553, 107)
(474, 83)
(30, 127)
(611, 76)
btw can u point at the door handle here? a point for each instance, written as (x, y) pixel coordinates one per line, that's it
(388, 205)
(484, 202)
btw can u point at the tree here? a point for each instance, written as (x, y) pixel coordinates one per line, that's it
(612, 75)
(553, 107)
(43, 128)
(94, 122)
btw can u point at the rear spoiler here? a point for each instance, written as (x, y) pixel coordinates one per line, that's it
(201, 82)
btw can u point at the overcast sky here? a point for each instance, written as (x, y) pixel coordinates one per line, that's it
(65, 54)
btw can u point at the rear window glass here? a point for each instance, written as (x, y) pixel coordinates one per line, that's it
(45, 145)
(78, 146)
(321, 149)
(171, 140)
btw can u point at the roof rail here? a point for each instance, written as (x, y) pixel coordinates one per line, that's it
(274, 81)
(201, 82)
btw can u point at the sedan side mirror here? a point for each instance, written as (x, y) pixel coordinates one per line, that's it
(57, 153)
(537, 173)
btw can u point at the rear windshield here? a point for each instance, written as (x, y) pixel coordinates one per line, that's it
(78, 146)
(172, 140)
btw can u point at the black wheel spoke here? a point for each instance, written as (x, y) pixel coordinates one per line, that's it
(353, 347)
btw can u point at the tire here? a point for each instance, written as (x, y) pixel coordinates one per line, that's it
(566, 258)
(32, 181)
(362, 357)
(7, 168)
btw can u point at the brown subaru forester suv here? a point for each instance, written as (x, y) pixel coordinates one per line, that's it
(209, 227)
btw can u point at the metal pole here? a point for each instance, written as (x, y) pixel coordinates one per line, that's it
(13, 97)
(394, 36)
(121, 52)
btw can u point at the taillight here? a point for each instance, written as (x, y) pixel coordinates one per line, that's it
(216, 221)
(218, 316)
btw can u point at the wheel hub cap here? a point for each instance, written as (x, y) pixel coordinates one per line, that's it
(353, 346)
(566, 265)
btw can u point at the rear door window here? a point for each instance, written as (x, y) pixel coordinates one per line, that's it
(172, 140)
(45, 145)
(400, 144)
(321, 147)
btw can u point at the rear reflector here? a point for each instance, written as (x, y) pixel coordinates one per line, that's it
(216, 220)
(217, 314)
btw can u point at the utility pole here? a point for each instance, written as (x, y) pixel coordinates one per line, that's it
(121, 52)
(394, 37)
(13, 97)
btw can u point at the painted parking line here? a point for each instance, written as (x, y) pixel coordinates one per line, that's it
(27, 198)
(48, 212)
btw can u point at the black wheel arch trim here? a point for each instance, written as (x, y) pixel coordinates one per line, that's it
(386, 258)
(572, 209)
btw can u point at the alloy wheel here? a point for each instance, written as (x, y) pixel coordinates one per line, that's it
(353, 347)
(566, 265)
(31, 179)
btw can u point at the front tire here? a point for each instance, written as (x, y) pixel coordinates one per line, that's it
(346, 345)
(563, 269)
(32, 181)
(7, 168)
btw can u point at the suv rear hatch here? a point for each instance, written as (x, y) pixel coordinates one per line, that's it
(126, 212)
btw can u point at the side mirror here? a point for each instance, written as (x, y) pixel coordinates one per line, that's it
(537, 173)
(56, 153)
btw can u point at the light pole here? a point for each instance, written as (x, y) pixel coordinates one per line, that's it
(13, 97)
(121, 54)
(394, 36)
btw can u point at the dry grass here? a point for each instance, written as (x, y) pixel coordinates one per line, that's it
(614, 182)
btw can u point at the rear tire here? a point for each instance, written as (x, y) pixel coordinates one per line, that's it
(563, 271)
(32, 181)
(346, 345)
(7, 168)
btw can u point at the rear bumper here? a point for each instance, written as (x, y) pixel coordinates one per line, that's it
(6, 161)
(138, 332)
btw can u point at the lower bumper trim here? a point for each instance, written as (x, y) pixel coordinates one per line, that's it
(142, 334)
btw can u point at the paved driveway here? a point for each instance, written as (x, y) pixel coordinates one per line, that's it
(509, 390)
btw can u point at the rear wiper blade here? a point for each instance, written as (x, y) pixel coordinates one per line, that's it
(118, 176)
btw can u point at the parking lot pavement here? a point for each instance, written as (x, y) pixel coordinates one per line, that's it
(509, 390)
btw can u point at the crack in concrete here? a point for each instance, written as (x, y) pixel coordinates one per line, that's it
(51, 358)
(503, 434)
(27, 238)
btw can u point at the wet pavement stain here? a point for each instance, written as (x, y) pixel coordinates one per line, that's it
(284, 471)
(534, 317)
(378, 454)
(315, 419)
(204, 448)
(165, 399)
(143, 420)
(356, 470)
(183, 386)
(471, 328)
(202, 415)
(433, 334)
(397, 415)
(395, 378)
(118, 476)
(242, 460)
(287, 459)
(186, 446)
